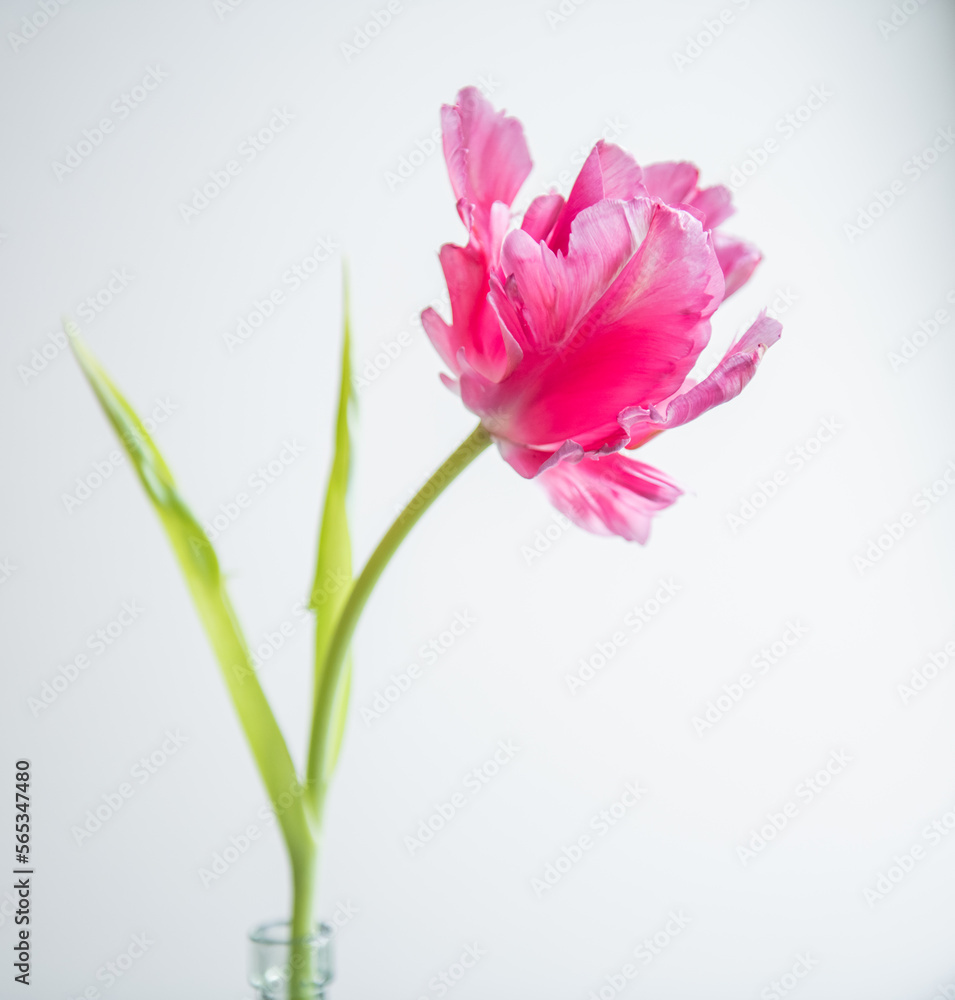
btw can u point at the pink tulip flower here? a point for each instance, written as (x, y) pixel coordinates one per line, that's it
(572, 336)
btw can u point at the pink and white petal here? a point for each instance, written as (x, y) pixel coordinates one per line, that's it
(725, 382)
(608, 172)
(716, 204)
(738, 259)
(622, 176)
(474, 323)
(450, 383)
(531, 462)
(672, 182)
(441, 336)
(634, 347)
(639, 434)
(456, 159)
(541, 215)
(486, 398)
(554, 290)
(499, 220)
(506, 303)
(525, 462)
(610, 495)
(487, 157)
(674, 278)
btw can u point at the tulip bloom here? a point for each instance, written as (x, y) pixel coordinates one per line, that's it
(572, 337)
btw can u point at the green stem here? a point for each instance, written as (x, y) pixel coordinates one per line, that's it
(318, 769)
(305, 861)
(301, 960)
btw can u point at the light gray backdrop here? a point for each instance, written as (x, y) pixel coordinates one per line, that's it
(818, 527)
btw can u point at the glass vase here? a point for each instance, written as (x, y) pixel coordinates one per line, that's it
(283, 968)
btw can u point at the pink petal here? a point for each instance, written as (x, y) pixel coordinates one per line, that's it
(670, 182)
(610, 495)
(541, 215)
(608, 172)
(727, 380)
(450, 383)
(635, 346)
(737, 258)
(441, 336)
(641, 433)
(475, 326)
(556, 290)
(531, 462)
(487, 158)
(716, 204)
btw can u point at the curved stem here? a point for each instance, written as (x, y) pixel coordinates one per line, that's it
(361, 590)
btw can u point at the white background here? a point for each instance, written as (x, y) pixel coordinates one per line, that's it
(848, 301)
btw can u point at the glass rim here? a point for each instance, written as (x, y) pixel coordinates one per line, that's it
(278, 932)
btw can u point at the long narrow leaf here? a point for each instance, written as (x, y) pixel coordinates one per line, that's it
(200, 567)
(333, 573)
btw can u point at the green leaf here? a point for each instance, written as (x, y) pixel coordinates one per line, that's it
(200, 567)
(333, 574)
